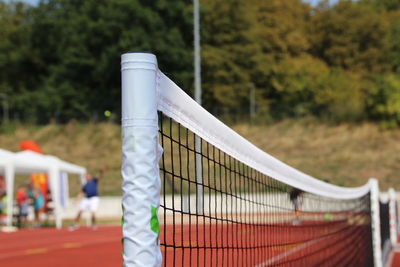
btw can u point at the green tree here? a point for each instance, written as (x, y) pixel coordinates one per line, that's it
(17, 61)
(79, 44)
(229, 54)
(61, 59)
(296, 81)
(385, 101)
(341, 96)
(389, 5)
(394, 36)
(351, 36)
(280, 27)
(285, 71)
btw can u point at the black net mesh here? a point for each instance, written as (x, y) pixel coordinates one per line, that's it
(217, 211)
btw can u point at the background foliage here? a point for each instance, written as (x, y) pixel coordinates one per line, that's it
(60, 60)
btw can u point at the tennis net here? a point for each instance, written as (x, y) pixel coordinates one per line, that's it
(247, 218)
(195, 193)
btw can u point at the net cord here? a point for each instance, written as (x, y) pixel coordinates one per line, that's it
(176, 104)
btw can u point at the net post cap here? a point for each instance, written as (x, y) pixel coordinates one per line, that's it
(139, 56)
(373, 181)
(392, 193)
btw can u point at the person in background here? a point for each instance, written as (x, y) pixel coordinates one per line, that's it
(48, 206)
(3, 201)
(2, 183)
(23, 206)
(37, 201)
(296, 197)
(89, 199)
(3, 207)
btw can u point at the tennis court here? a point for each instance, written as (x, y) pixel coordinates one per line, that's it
(102, 247)
(62, 248)
(198, 245)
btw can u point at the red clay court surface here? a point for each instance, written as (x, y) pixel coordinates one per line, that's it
(395, 261)
(102, 248)
(307, 245)
(62, 248)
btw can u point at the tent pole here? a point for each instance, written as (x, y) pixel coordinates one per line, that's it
(54, 179)
(9, 176)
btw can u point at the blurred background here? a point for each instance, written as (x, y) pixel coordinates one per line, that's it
(314, 83)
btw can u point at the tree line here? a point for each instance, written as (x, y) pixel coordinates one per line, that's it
(60, 60)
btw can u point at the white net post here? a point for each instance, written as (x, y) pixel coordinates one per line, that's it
(140, 154)
(375, 221)
(393, 216)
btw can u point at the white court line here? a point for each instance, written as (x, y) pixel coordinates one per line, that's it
(390, 260)
(287, 253)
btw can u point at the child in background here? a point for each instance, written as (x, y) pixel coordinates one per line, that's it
(3, 207)
(23, 206)
(48, 206)
(38, 203)
(2, 184)
(3, 202)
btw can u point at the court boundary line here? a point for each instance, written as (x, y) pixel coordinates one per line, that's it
(390, 259)
(49, 249)
(287, 253)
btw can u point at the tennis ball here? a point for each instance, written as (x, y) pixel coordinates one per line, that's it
(107, 113)
(328, 217)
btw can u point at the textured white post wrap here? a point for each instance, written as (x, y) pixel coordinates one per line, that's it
(376, 223)
(140, 155)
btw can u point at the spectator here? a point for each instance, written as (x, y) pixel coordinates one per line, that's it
(3, 201)
(49, 206)
(3, 207)
(2, 184)
(37, 200)
(23, 206)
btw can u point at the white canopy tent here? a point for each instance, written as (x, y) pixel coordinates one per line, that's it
(26, 162)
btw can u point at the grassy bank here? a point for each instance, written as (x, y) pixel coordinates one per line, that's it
(345, 155)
